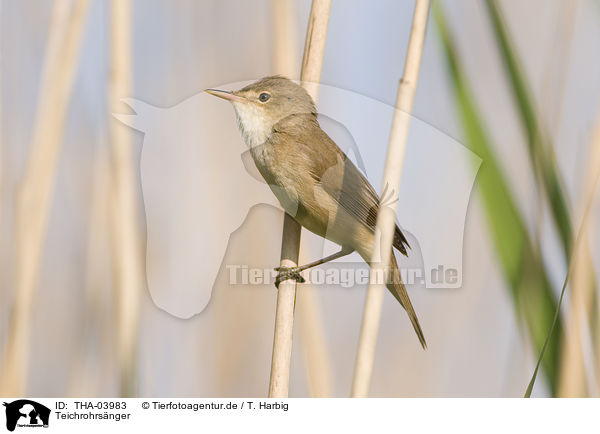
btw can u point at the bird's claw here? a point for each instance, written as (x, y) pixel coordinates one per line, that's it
(287, 273)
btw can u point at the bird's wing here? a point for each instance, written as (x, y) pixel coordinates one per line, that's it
(342, 180)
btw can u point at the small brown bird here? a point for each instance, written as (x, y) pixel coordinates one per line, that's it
(315, 182)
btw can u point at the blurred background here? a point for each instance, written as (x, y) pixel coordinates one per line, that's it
(515, 82)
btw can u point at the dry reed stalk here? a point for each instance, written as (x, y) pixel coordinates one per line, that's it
(312, 62)
(81, 383)
(573, 379)
(387, 215)
(572, 376)
(314, 47)
(312, 338)
(283, 38)
(284, 314)
(1, 130)
(33, 198)
(126, 237)
(577, 378)
(579, 255)
(318, 361)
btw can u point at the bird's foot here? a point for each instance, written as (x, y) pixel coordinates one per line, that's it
(287, 273)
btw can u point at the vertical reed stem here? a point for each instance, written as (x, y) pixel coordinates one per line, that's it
(312, 62)
(34, 195)
(126, 238)
(577, 378)
(386, 217)
(312, 339)
(283, 38)
(1, 129)
(578, 255)
(284, 315)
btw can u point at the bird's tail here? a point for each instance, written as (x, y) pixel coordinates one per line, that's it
(398, 290)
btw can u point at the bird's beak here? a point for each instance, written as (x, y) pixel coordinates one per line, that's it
(225, 94)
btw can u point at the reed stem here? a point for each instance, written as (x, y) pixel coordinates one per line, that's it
(579, 251)
(35, 192)
(312, 338)
(386, 217)
(1, 126)
(312, 63)
(577, 377)
(126, 235)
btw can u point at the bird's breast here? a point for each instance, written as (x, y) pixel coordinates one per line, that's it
(276, 171)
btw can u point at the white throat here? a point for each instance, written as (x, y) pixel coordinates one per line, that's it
(254, 127)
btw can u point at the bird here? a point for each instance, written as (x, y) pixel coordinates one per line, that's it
(312, 178)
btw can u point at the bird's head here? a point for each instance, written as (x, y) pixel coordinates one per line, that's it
(262, 104)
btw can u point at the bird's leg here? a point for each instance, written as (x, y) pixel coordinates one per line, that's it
(344, 252)
(286, 273)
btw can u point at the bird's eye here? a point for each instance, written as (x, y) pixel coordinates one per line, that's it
(264, 97)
